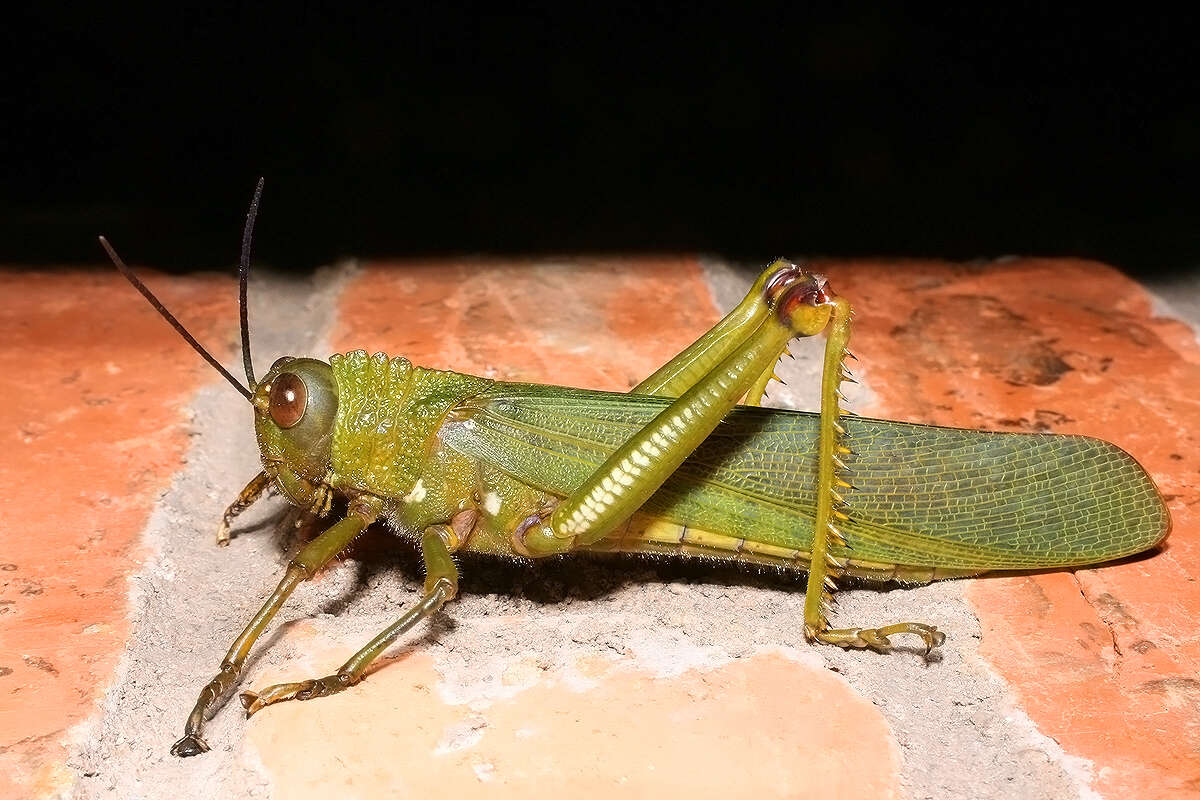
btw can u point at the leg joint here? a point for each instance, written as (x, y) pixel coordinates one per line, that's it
(445, 587)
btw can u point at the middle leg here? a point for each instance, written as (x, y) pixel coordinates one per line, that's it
(441, 585)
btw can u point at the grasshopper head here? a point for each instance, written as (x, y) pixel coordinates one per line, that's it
(295, 407)
(295, 404)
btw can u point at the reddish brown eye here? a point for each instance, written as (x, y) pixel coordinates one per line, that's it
(289, 398)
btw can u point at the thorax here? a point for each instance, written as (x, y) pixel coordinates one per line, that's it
(388, 414)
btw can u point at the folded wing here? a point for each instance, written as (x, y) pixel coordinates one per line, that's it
(922, 496)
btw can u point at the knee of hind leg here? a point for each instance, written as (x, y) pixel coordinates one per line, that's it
(800, 299)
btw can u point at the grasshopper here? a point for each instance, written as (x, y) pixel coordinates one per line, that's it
(686, 464)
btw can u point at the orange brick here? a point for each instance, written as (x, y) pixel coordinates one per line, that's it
(594, 323)
(759, 727)
(1105, 660)
(94, 386)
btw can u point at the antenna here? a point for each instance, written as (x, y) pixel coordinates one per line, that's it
(169, 317)
(243, 276)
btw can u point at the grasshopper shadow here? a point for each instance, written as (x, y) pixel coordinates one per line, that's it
(577, 576)
(380, 552)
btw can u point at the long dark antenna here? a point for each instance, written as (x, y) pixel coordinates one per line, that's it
(169, 317)
(243, 276)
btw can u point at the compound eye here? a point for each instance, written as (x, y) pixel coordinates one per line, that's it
(289, 398)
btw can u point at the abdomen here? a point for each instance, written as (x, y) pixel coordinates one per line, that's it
(646, 533)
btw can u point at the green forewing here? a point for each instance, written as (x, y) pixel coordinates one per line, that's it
(922, 496)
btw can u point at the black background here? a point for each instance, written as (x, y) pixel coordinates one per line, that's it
(411, 129)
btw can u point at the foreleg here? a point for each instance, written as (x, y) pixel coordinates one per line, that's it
(259, 485)
(307, 562)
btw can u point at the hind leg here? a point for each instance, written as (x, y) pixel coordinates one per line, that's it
(832, 511)
(684, 370)
(788, 303)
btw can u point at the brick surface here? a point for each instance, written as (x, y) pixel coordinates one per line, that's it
(599, 323)
(95, 426)
(756, 727)
(1105, 660)
(603, 678)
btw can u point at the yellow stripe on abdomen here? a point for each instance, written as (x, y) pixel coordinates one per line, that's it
(648, 534)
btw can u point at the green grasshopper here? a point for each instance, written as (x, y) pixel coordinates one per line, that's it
(677, 466)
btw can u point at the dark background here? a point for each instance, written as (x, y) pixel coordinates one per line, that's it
(960, 133)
